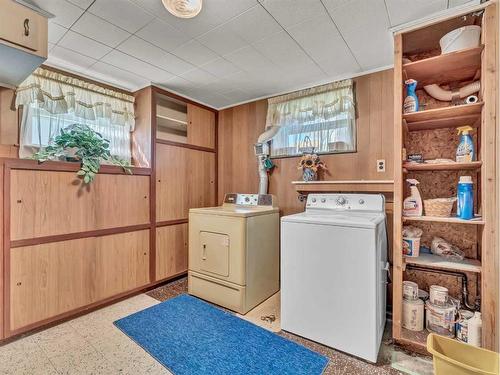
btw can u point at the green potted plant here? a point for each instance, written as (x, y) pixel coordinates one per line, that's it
(80, 143)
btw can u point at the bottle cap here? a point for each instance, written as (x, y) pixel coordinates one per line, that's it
(464, 129)
(465, 180)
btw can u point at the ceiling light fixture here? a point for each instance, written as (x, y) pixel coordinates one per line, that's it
(183, 8)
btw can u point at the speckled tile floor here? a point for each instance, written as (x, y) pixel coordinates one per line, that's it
(91, 344)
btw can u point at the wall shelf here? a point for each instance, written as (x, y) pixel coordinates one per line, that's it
(436, 261)
(449, 67)
(452, 220)
(383, 186)
(452, 166)
(446, 117)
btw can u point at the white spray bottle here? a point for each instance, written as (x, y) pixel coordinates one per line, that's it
(412, 206)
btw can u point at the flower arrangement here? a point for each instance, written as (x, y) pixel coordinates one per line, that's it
(310, 164)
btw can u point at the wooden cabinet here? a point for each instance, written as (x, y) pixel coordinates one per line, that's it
(50, 279)
(171, 250)
(23, 27)
(185, 178)
(201, 127)
(47, 203)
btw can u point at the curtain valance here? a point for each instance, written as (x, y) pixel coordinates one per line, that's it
(318, 103)
(57, 93)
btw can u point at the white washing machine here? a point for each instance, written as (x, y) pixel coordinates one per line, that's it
(334, 272)
(234, 251)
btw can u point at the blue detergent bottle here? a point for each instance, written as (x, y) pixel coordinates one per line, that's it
(411, 101)
(465, 198)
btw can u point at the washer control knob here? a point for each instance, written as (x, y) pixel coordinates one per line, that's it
(323, 200)
(341, 201)
(313, 200)
(361, 201)
(247, 199)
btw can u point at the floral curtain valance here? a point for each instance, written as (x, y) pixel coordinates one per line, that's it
(317, 103)
(57, 93)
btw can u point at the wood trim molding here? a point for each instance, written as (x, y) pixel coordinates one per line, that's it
(78, 235)
(161, 91)
(171, 222)
(61, 166)
(185, 145)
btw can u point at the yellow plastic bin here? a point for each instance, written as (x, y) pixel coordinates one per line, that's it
(452, 357)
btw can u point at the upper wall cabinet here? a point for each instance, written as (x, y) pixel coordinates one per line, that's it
(23, 42)
(180, 122)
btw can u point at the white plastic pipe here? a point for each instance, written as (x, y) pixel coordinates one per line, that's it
(447, 95)
(263, 138)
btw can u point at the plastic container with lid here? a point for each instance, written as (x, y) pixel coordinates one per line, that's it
(461, 38)
(465, 198)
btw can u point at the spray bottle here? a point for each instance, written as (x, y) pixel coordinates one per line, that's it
(411, 101)
(465, 150)
(412, 206)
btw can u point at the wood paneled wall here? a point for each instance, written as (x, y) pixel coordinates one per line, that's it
(239, 128)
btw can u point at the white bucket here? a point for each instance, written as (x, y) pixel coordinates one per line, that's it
(440, 319)
(461, 38)
(411, 246)
(438, 295)
(413, 315)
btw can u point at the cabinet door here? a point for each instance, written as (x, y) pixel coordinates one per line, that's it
(201, 179)
(23, 27)
(201, 126)
(171, 250)
(50, 279)
(45, 203)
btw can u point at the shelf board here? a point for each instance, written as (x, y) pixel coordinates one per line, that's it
(172, 119)
(446, 117)
(344, 185)
(449, 67)
(416, 340)
(453, 220)
(436, 261)
(451, 166)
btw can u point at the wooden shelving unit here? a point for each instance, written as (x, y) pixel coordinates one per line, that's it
(420, 131)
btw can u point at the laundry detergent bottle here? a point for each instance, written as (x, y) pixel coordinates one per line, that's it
(412, 206)
(411, 101)
(465, 150)
(465, 198)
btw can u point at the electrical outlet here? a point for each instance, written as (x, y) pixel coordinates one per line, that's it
(381, 165)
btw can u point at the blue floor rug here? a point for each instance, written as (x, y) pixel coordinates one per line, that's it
(190, 336)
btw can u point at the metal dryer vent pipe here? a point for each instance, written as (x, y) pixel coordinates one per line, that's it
(461, 275)
(264, 138)
(447, 95)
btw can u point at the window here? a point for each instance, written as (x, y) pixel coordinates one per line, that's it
(40, 127)
(321, 119)
(52, 101)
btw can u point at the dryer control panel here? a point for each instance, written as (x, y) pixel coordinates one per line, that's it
(351, 202)
(250, 199)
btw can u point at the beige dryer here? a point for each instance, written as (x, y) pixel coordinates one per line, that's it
(234, 251)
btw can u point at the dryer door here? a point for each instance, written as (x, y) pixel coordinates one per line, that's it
(214, 253)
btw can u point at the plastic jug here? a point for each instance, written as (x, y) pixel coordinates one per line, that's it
(465, 198)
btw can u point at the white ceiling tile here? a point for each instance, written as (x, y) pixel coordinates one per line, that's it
(455, 3)
(238, 95)
(199, 76)
(153, 55)
(56, 32)
(115, 76)
(244, 25)
(291, 12)
(213, 13)
(179, 84)
(248, 58)
(195, 53)
(98, 29)
(84, 4)
(312, 34)
(65, 13)
(163, 35)
(136, 66)
(122, 13)
(365, 27)
(401, 11)
(222, 40)
(65, 57)
(220, 67)
(83, 45)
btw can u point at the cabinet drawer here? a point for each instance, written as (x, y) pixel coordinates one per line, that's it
(23, 27)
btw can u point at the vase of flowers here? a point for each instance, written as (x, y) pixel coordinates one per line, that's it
(310, 164)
